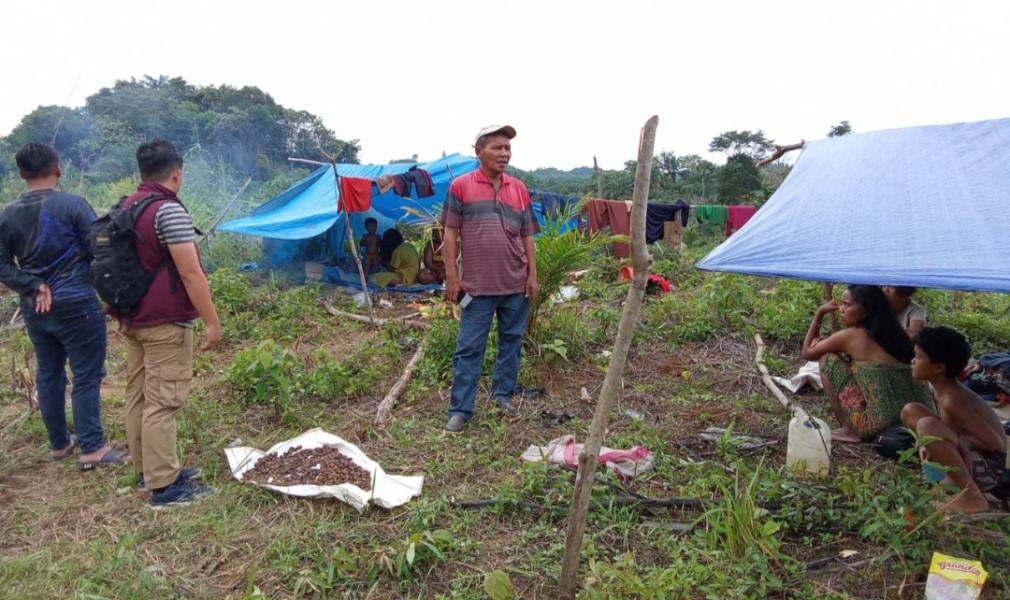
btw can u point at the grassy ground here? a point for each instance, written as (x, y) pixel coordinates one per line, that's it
(755, 530)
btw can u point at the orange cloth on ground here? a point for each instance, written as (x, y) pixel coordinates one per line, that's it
(355, 194)
(738, 216)
(613, 213)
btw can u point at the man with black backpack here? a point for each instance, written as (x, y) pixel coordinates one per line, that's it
(159, 329)
(44, 256)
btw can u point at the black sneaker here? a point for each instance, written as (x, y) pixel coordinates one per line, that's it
(180, 492)
(185, 474)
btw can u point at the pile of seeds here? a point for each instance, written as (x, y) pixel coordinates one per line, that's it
(317, 466)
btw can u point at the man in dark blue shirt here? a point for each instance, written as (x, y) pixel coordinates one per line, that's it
(45, 257)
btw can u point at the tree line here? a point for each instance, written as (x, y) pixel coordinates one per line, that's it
(244, 133)
(242, 128)
(689, 176)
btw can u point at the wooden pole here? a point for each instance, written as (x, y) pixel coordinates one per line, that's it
(350, 236)
(642, 262)
(599, 179)
(206, 235)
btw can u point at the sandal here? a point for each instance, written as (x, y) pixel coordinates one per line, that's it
(112, 457)
(64, 452)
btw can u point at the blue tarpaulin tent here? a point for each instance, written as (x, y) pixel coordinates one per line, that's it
(302, 222)
(923, 206)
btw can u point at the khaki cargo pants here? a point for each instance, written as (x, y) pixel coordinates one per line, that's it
(159, 370)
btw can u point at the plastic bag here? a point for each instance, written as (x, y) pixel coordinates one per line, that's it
(952, 578)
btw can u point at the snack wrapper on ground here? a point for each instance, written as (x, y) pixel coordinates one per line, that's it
(388, 491)
(952, 578)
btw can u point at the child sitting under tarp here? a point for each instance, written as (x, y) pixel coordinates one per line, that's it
(971, 441)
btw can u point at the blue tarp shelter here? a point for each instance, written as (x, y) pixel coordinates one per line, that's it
(923, 206)
(302, 222)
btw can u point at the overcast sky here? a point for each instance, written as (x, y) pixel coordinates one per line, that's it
(576, 78)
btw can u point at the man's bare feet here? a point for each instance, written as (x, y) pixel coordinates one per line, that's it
(62, 453)
(969, 500)
(846, 436)
(96, 455)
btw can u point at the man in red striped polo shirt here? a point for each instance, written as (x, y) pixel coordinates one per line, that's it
(490, 216)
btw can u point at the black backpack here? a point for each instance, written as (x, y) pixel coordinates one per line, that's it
(116, 272)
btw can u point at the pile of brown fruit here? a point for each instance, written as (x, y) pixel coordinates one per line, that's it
(325, 465)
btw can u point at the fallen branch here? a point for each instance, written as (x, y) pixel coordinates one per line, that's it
(779, 152)
(619, 501)
(976, 517)
(328, 306)
(386, 406)
(766, 376)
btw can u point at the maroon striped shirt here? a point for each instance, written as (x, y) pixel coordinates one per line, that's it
(492, 225)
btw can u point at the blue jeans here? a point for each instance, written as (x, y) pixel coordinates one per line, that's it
(474, 327)
(81, 339)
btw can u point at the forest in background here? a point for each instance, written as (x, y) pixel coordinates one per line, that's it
(240, 139)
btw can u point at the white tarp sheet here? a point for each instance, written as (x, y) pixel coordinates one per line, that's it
(388, 491)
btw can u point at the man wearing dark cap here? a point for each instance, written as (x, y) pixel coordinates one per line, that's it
(489, 217)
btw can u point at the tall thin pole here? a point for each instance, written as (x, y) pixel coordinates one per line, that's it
(350, 235)
(588, 458)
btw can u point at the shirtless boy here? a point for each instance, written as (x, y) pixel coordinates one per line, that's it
(972, 443)
(370, 242)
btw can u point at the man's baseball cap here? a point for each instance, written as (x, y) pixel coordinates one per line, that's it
(506, 130)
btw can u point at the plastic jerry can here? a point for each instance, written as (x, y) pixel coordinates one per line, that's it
(809, 444)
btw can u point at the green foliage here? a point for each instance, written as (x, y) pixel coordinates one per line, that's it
(558, 253)
(497, 585)
(739, 525)
(265, 375)
(409, 557)
(738, 181)
(843, 128)
(327, 574)
(435, 367)
(751, 144)
(230, 290)
(243, 128)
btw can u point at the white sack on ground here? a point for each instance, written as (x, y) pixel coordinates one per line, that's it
(388, 491)
(809, 373)
(564, 451)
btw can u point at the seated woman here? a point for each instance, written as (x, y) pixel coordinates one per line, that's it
(434, 263)
(399, 258)
(911, 314)
(865, 368)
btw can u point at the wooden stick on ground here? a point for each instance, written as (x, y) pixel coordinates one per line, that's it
(386, 406)
(377, 321)
(766, 376)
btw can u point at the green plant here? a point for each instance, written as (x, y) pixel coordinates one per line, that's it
(740, 524)
(559, 251)
(406, 559)
(265, 374)
(328, 572)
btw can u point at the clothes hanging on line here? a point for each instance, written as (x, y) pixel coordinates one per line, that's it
(355, 194)
(402, 183)
(658, 214)
(711, 213)
(384, 183)
(418, 178)
(615, 214)
(551, 203)
(738, 216)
